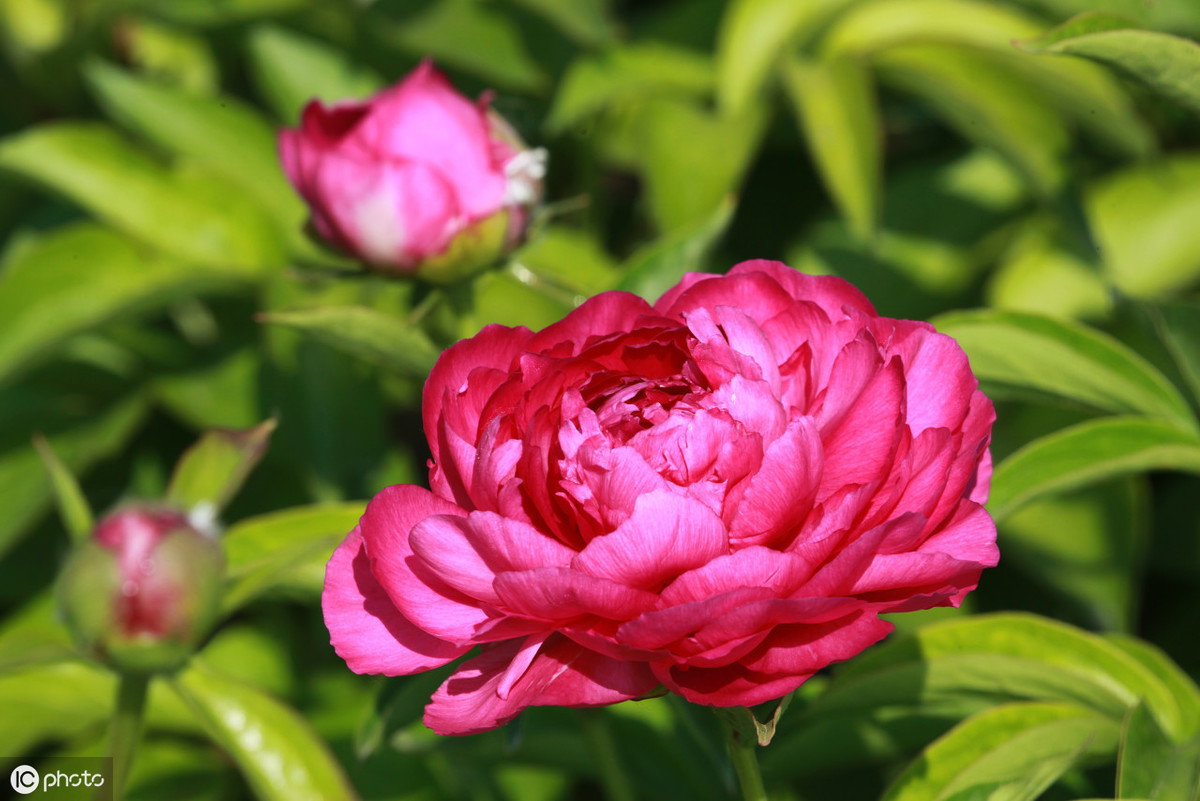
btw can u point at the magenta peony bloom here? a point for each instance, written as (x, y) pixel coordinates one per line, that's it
(719, 493)
(417, 178)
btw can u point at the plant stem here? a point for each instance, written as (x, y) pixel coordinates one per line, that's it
(614, 779)
(127, 727)
(745, 762)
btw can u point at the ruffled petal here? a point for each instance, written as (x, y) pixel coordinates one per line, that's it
(365, 628)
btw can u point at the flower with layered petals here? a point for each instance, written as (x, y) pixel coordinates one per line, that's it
(417, 179)
(719, 493)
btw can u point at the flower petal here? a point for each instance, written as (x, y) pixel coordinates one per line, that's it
(365, 628)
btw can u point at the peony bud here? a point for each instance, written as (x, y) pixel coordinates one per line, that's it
(144, 590)
(417, 179)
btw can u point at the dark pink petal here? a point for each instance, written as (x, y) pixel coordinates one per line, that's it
(466, 553)
(862, 446)
(665, 536)
(802, 648)
(755, 566)
(939, 381)
(839, 574)
(414, 588)
(970, 537)
(662, 627)
(784, 661)
(757, 294)
(365, 628)
(834, 295)
(781, 493)
(602, 315)
(560, 594)
(561, 673)
(459, 386)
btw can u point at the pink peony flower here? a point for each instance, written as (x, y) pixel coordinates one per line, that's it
(719, 493)
(417, 178)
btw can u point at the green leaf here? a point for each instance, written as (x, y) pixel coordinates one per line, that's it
(24, 488)
(73, 507)
(211, 472)
(186, 212)
(752, 38)
(1178, 326)
(472, 37)
(1086, 547)
(378, 338)
(90, 276)
(510, 297)
(571, 259)
(222, 12)
(1143, 222)
(281, 758)
(625, 75)
(657, 267)
(1088, 453)
(51, 703)
(1013, 751)
(1168, 64)
(261, 551)
(1012, 351)
(290, 70)
(836, 107)
(1001, 657)
(1181, 686)
(586, 22)
(870, 27)
(691, 159)
(231, 139)
(1150, 765)
(34, 636)
(987, 102)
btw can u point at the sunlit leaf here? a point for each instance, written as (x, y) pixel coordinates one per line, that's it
(1087, 453)
(189, 213)
(291, 69)
(1003, 657)
(836, 107)
(380, 339)
(262, 550)
(1166, 63)
(211, 471)
(753, 36)
(281, 758)
(1012, 352)
(1014, 751)
(73, 507)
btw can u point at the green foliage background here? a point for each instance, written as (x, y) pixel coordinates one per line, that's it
(1032, 189)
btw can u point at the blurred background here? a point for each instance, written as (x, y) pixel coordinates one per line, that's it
(156, 281)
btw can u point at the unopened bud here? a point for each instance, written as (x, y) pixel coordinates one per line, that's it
(143, 590)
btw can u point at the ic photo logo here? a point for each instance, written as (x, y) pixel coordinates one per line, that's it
(24, 779)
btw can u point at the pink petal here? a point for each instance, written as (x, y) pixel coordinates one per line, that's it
(863, 445)
(425, 120)
(414, 588)
(781, 493)
(466, 553)
(834, 295)
(756, 293)
(602, 315)
(666, 535)
(560, 674)
(754, 566)
(560, 594)
(365, 628)
(939, 380)
(459, 386)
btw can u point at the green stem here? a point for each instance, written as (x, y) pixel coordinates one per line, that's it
(127, 727)
(745, 762)
(613, 778)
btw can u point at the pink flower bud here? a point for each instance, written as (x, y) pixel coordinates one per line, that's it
(144, 590)
(417, 179)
